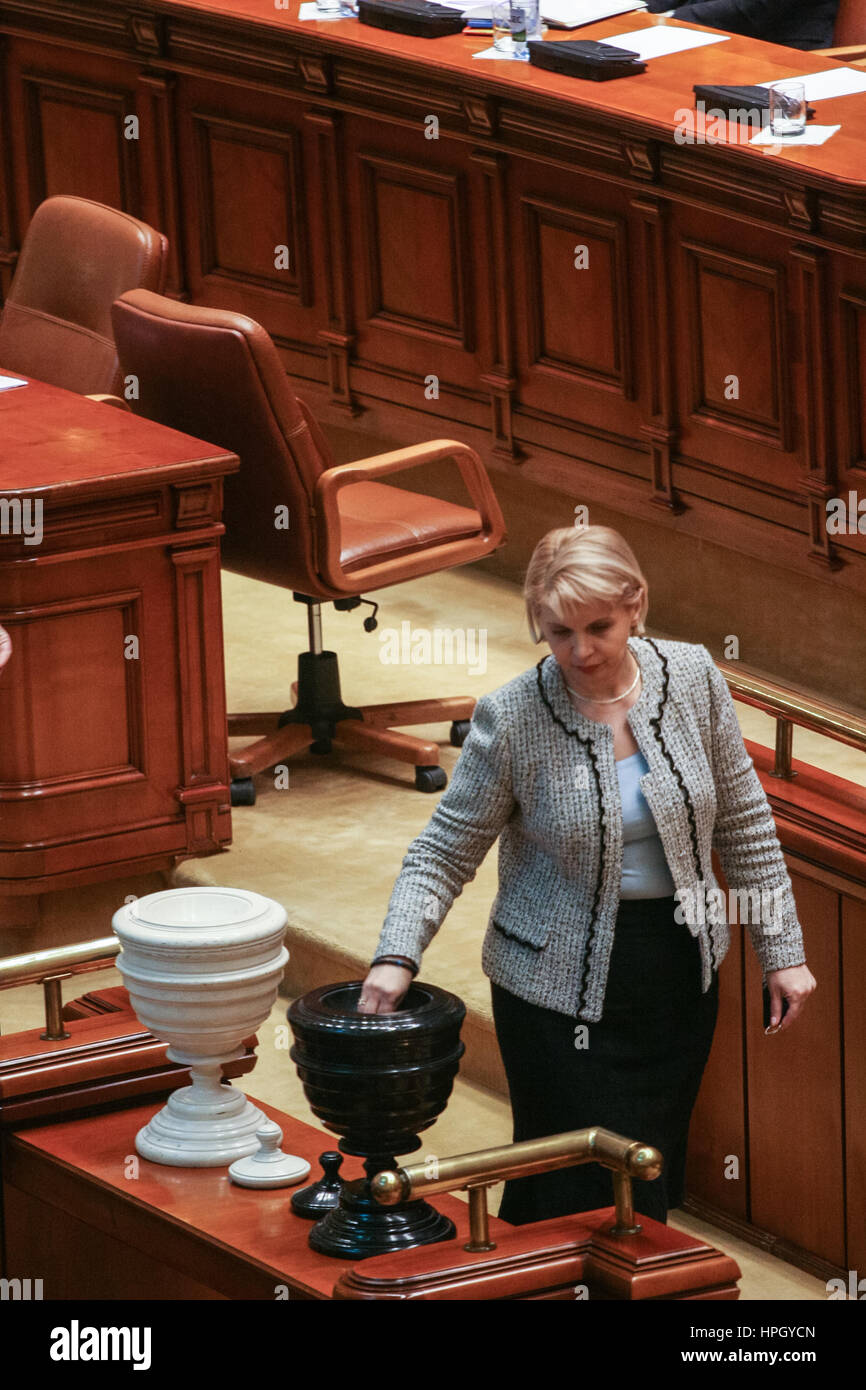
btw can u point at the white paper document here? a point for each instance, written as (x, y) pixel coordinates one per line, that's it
(573, 14)
(8, 383)
(660, 40)
(312, 11)
(497, 53)
(822, 86)
(565, 14)
(812, 135)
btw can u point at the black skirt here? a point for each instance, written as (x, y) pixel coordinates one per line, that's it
(639, 1073)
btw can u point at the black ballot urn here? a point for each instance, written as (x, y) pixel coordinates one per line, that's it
(377, 1080)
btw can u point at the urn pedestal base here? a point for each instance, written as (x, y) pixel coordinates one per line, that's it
(206, 1125)
(360, 1226)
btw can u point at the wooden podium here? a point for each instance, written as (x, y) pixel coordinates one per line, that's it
(114, 755)
(94, 1221)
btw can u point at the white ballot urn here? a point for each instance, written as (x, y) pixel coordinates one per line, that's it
(202, 967)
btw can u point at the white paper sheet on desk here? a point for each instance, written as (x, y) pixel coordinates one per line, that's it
(565, 14)
(822, 86)
(573, 14)
(312, 11)
(8, 383)
(660, 40)
(812, 135)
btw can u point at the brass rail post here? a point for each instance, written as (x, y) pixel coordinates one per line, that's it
(49, 968)
(475, 1172)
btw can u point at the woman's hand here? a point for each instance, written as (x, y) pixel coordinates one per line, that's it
(795, 983)
(5, 647)
(383, 989)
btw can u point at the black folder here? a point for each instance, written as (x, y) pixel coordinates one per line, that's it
(585, 58)
(424, 21)
(728, 99)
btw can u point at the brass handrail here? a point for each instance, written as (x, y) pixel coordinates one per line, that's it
(789, 707)
(50, 967)
(475, 1172)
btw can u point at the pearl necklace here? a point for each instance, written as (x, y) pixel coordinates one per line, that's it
(616, 699)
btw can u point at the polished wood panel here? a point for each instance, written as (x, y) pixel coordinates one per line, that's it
(99, 1222)
(796, 1142)
(428, 229)
(113, 702)
(853, 973)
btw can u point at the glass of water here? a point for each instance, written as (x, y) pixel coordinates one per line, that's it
(787, 108)
(510, 28)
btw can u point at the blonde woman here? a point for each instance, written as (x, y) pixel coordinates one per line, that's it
(609, 773)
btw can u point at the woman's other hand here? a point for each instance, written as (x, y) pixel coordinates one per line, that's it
(795, 983)
(383, 989)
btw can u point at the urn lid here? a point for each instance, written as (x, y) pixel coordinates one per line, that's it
(199, 916)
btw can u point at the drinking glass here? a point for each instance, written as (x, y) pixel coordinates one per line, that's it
(787, 108)
(510, 28)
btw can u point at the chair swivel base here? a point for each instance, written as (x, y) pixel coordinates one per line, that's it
(320, 720)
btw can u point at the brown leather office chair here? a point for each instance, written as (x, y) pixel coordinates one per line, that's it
(217, 376)
(849, 33)
(77, 257)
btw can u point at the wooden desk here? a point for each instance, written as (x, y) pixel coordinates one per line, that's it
(407, 258)
(114, 752)
(97, 1222)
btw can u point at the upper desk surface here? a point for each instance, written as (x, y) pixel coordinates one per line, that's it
(650, 99)
(51, 439)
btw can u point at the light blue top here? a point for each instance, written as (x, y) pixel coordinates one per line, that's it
(645, 873)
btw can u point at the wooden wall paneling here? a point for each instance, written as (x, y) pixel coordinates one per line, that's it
(413, 283)
(659, 426)
(577, 323)
(737, 475)
(736, 329)
(415, 251)
(818, 479)
(203, 739)
(795, 1095)
(8, 239)
(252, 201)
(336, 317)
(159, 171)
(496, 300)
(718, 1169)
(75, 140)
(570, 261)
(850, 397)
(244, 175)
(853, 973)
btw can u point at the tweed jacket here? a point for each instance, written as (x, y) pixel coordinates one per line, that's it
(542, 777)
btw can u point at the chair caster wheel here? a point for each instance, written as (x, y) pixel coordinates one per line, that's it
(430, 779)
(459, 730)
(243, 791)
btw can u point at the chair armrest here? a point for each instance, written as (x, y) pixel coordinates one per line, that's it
(444, 556)
(110, 400)
(846, 53)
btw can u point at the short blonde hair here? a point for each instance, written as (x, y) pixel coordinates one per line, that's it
(589, 564)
